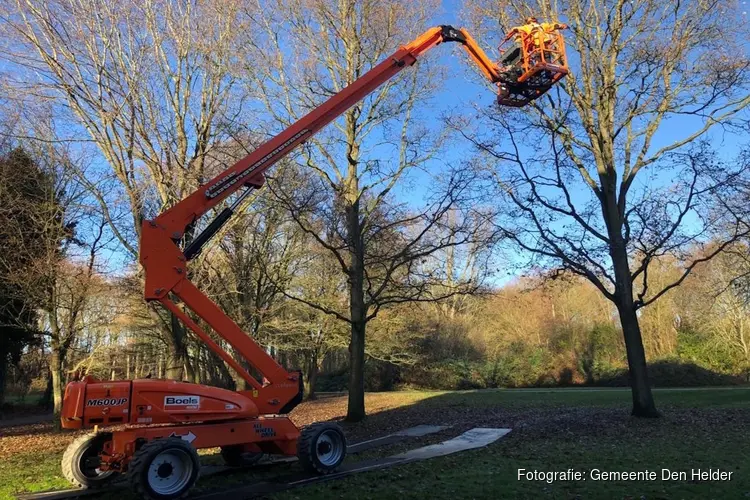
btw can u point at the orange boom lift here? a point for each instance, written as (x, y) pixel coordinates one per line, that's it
(163, 421)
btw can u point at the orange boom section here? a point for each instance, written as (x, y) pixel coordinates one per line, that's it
(165, 263)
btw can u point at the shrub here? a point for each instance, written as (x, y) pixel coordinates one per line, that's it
(333, 382)
(448, 376)
(380, 375)
(672, 373)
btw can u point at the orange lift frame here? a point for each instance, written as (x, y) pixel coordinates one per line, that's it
(254, 419)
(164, 262)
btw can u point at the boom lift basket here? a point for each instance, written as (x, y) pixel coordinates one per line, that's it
(542, 63)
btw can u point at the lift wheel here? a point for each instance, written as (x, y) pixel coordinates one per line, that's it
(321, 448)
(80, 462)
(164, 469)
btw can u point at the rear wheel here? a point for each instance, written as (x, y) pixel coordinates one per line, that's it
(321, 448)
(236, 456)
(164, 469)
(81, 461)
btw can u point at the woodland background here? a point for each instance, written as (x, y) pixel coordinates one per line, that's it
(465, 243)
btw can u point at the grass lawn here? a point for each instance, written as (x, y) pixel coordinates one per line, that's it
(32, 398)
(553, 430)
(582, 430)
(31, 471)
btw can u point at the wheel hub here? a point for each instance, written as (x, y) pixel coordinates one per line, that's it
(165, 470)
(170, 472)
(330, 448)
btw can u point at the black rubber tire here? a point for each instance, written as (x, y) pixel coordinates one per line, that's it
(308, 443)
(234, 456)
(139, 467)
(79, 452)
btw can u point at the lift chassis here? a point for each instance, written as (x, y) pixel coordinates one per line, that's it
(162, 422)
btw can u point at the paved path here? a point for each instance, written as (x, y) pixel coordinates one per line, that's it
(28, 420)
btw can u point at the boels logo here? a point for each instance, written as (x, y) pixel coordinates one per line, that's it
(182, 400)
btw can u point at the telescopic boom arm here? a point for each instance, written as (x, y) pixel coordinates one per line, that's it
(165, 263)
(249, 171)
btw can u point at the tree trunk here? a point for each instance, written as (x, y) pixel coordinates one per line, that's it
(47, 398)
(312, 375)
(643, 400)
(176, 363)
(241, 382)
(56, 369)
(356, 408)
(3, 373)
(214, 364)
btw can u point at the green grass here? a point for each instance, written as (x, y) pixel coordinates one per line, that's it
(30, 472)
(673, 442)
(493, 472)
(554, 430)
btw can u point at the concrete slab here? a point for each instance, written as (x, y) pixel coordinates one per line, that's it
(421, 430)
(469, 440)
(412, 432)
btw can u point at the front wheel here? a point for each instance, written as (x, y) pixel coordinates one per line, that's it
(81, 461)
(164, 469)
(321, 448)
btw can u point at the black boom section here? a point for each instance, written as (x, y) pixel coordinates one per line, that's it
(196, 244)
(297, 399)
(451, 34)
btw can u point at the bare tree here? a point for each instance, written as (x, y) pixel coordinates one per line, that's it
(307, 332)
(151, 83)
(361, 160)
(724, 312)
(612, 171)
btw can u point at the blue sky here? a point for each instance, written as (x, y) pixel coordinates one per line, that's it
(462, 89)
